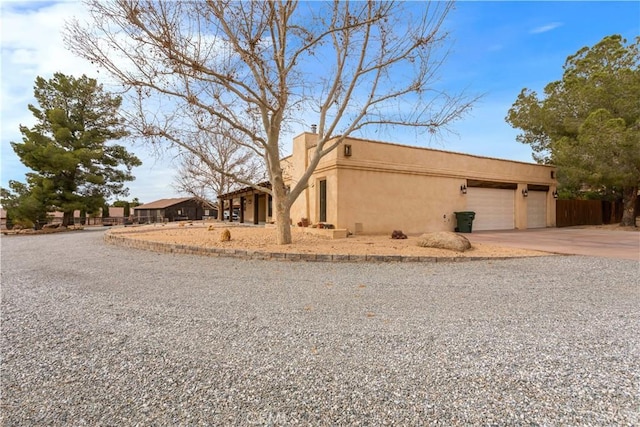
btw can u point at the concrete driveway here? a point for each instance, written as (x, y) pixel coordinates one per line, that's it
(569, 240)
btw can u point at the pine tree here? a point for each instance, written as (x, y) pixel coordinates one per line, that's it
(588, 123)
(69, 147)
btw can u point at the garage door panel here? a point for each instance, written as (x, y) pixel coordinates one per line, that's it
(537, 209)
(494, 208)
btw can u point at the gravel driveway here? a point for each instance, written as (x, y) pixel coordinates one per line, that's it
(101, 335)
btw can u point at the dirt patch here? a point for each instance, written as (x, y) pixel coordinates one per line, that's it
(263, 239)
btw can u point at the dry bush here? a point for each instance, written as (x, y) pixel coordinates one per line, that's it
(225, 236)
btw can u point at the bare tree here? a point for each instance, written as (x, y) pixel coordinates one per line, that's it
(217, 167)
(258, 67)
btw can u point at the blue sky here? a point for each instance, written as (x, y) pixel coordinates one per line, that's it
(498, 49)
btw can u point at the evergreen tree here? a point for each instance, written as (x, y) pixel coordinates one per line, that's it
(26, 204)
(69, 148)
(588, 123)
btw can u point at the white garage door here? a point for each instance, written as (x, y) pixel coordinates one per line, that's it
(494, 208)
(537, 209)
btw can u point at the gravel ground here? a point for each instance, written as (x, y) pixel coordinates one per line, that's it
(101, 335)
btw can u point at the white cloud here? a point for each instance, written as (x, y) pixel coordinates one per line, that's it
(32, 45)
(545, 28)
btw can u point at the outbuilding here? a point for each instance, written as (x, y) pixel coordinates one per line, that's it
(178, 209)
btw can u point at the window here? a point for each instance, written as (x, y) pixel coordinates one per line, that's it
(323, 200)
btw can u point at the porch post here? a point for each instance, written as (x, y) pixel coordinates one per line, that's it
(256, 211)
(242, 210)
(231, 209)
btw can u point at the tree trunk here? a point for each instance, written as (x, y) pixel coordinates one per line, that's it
(629, 195)
(67, 219)
(283, 215)
(283, 226)
(220, 210)
(280, 193)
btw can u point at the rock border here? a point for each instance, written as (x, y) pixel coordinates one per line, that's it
(172, 248)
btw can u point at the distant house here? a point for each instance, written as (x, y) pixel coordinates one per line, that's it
(180, 209)
(116, 212)
(116, 217)
(56, 217)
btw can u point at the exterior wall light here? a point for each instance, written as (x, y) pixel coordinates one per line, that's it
(347, 150)
(555, 194)
(463, 189)
(525, 192)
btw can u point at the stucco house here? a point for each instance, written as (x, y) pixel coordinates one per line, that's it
(371, 187)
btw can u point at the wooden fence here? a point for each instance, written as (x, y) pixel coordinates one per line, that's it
(578, 212)
(112, 220)
(589, 212)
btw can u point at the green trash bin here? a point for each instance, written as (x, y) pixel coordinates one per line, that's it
(464, 221)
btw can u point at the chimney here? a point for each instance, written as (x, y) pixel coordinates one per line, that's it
(314, 128)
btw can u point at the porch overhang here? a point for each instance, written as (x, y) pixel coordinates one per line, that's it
(253, 195)
(246, 191)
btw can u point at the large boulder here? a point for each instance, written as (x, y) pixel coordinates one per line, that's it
(444, 240)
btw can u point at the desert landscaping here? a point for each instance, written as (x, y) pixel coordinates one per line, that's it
(261, 238)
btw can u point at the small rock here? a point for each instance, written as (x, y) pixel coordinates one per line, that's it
(398, 234)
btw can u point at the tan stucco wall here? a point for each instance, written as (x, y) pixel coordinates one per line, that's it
(409, 202)
(383, 186)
